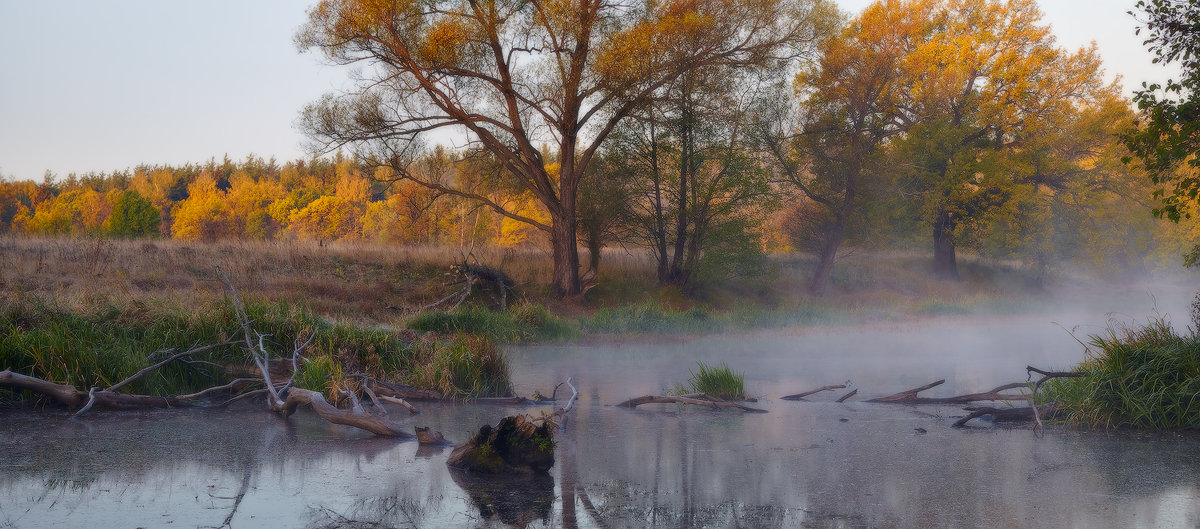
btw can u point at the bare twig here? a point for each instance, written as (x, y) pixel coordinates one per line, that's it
(800, 396)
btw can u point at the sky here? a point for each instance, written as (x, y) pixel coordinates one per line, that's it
(102, 86)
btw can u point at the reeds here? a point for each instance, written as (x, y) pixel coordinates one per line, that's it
(1141, 376)
(715, 381)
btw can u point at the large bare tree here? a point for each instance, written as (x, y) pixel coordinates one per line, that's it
(509, 76)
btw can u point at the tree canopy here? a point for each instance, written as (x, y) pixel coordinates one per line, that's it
(1167, 139)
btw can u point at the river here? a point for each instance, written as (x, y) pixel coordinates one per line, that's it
(813, 463)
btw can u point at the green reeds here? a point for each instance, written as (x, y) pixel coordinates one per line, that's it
(715, 381)
(1143, 376)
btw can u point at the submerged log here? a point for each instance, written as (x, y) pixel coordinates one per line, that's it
(1025, 414)
(696, 399)
(515, 445)
(72, 397)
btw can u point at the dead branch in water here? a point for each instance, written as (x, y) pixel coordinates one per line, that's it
(143, 372)
(997, 393)
(852, 393)
(285, 399)
(800, 396)
(1046, 376)
(695, 399)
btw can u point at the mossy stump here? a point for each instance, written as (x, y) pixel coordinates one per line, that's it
(515, 445)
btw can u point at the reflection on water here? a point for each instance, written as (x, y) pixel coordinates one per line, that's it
(804, 464)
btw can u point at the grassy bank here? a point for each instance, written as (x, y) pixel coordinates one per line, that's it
(1140, 376)
(100, 345)
(387, 286)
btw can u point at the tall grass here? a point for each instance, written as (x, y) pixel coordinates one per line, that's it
(1144, 376)
(107, 343)
(524, 323)
(715, 381)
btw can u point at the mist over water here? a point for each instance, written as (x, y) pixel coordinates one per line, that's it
(803, 464)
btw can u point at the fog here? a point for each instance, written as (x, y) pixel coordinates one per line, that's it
(813, 463)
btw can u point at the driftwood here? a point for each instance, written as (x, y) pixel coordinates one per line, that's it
(696, 399)
(1005, 414)
(284, 400)
(852, 393)
(1046, 376)
(800, 396)
(910, 396)
(92, 393)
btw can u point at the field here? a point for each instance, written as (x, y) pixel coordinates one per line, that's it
(386, 285)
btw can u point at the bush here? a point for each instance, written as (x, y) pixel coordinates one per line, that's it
(1144, 377)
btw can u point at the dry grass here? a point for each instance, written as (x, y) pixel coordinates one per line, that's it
(384, 285)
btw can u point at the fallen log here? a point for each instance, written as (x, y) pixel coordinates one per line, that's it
(995, 394)
(695, 399)
(297, 397)
(800, 396)
(1004, 414)
(72, 397)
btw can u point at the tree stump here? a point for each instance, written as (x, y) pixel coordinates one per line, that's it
(515, 445)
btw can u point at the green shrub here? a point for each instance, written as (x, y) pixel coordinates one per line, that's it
(1138, 376)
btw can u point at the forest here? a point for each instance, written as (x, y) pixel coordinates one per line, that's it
(934, 126)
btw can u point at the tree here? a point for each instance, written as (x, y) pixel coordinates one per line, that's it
(512, 74)
(690, 179)
(987, 80)
(850, 105)
(1167, 139)
(133, 216)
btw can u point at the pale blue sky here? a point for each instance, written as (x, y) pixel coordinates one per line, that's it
(101, 86)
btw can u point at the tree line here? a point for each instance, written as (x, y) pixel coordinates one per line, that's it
(707, 132)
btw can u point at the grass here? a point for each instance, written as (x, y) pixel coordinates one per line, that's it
(1143, 376)
(367, 285)
(525, 323)
(103, 344)
(715, 381)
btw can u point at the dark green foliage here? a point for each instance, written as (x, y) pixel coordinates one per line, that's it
(134, 216)
(1144, 377)
(1168, 137)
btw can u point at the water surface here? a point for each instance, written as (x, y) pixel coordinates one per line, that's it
(803, 464)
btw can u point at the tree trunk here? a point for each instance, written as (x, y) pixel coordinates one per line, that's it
(566, 256)
(945, 265)
(820, 280)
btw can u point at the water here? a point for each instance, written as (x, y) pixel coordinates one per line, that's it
(803, 464)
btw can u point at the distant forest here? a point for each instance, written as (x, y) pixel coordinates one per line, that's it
(921, 125)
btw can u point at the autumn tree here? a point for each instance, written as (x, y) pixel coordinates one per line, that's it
(849, 104)
(512, 75)
(1167, 141)
(986, 80)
